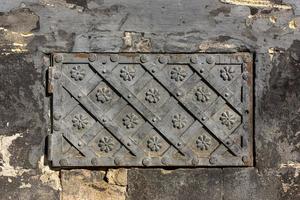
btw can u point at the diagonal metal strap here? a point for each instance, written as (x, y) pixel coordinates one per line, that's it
(230, 101)
(140, 107)
(88, 104)
(77, 143)
(198, 113)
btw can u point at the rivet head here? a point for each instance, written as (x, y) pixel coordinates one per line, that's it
(114, 58)
(194, 59)
(178, 93)
(228, 142)
(245, 159)
(129, 96)
(117, 161)
(103, 61)
(57, 75)
(94, 161)
(213, 160)
(245, 76)
(210, 60)
(195, 161)
(58, 58)
(226, 95)
(144, 59)
(164, 161)
(103, 120)
(203, 118)
(56, 127)
(201, 70)
(104, 71)
(79, 96)
(63, 162)
(153, 70)
(92, 57)
(162, 59)
(179, 144)
(56, 115)
(154, 119)
(128, 144)
(146, 161)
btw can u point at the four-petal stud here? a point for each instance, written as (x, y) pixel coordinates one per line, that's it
(202, 94)
(130, 120)
(106, 144)
(179, 121)
(203, 142)
(154, 144)
(227, 73)
(80, 121)
(178, 73)
(104, 94)
(152, 95)
(127, 73)
(77, 73)
(228, 119)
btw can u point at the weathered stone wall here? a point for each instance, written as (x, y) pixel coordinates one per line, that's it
(29, 29)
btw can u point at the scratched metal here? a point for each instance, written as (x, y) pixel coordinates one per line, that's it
(135, 109)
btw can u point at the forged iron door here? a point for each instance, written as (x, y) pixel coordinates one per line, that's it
(143, 109)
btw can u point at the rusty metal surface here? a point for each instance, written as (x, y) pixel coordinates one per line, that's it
(134, 109)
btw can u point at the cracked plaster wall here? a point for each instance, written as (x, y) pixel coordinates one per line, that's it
(29, 29)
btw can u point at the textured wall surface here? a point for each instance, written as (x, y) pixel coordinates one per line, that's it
(29, 29)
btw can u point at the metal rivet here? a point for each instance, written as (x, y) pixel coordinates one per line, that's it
(79, 143)
(162, 59)
(57, 75)
(146, 161)
(228, 142)
(164, 161)
(245, 159)
(63, 162)
(104, 71)
(245, 76)
(179, 144)
(154, 119)
(194, 59)
(178, 93)
(201, 70)
(153, 70)
(129, 96)
(213, 160)
(58, 58)
(56, 115)
(210, 60)
(104, 61)
(94, 161)
(79, 96)
(104, 120)
(56, 127)
(129, 144)
(203, 118)
(117, 161)
(114, 58)
(226, 95)
(144, 59)
(195, 161)
(92, 57)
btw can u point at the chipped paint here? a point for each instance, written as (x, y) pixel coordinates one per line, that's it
(293, 24)
(215, 45)
(292, 164)
(25, 185)
(49, 177)
(6, 168)
(164, 171)
(18, 40)
(258, 3)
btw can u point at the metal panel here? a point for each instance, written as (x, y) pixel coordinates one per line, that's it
(149, 109)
